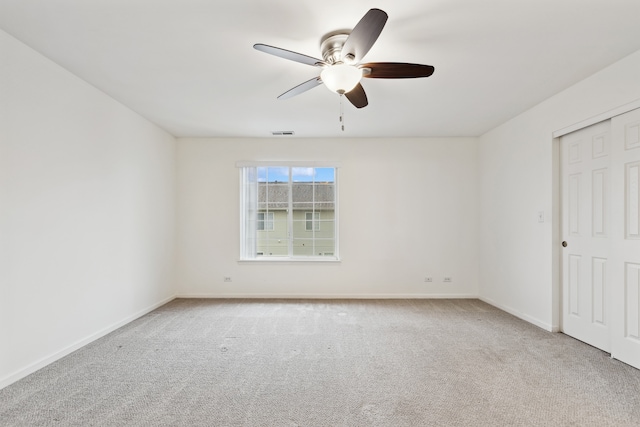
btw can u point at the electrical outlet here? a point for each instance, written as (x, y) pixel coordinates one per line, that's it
(447, 280)
(428, 279)
(227, 278)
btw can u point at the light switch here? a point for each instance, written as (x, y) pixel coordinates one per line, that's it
(541, 216)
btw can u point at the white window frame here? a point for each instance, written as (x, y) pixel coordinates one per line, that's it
(248, 232)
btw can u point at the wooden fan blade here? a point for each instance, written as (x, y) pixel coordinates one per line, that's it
(357, 96)
(302, 87)
(364, 35)
(396, 70)
(287, 54)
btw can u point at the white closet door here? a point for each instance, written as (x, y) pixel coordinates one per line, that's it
(625, 243)
(586, 229)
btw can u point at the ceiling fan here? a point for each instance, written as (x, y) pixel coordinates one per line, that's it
(342, 52)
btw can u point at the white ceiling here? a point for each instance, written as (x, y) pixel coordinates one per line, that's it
(189, 65)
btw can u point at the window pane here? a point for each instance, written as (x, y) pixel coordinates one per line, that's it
(322, 221)
(313, 247)
(262, 174)
(325, 175)
(303, 247)
(264, 221)
(325, 247)
(274, 174)
(268, 225)
(260, 222)
(272, 196)
(326, 225)
(302, 174)
(272, 247)
(311, 221)
(302, 195)
(324, 193)
(280, 225)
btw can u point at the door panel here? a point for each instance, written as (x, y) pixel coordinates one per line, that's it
(586, 218)
(632, 292)
(625, 242)
(632, 222)
(600, 187)
(599, 281)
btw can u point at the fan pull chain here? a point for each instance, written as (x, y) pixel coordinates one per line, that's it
(341, 113)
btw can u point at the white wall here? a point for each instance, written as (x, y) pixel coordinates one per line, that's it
(86, 212)
(88, 191)
(407, 209)
(516, 166)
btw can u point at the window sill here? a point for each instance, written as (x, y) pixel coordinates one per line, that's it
(310, 260)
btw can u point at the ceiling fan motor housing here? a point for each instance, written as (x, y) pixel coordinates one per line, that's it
(331, 46)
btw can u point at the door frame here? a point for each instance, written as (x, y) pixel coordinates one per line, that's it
(556, 203)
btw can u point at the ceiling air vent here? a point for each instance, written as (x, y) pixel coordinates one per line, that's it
(282, 133)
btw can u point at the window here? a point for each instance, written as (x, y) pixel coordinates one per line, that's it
(265, 221)
(288, 212)
(312, 221)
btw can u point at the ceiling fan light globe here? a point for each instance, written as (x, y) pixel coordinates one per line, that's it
(341, 78)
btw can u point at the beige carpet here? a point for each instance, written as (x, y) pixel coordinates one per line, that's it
(328, 363)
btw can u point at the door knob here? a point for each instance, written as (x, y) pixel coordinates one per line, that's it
(564, 244)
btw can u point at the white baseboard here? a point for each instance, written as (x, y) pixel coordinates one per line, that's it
(520, 315)
(331, 296)
(28, 370)
(509, 310)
